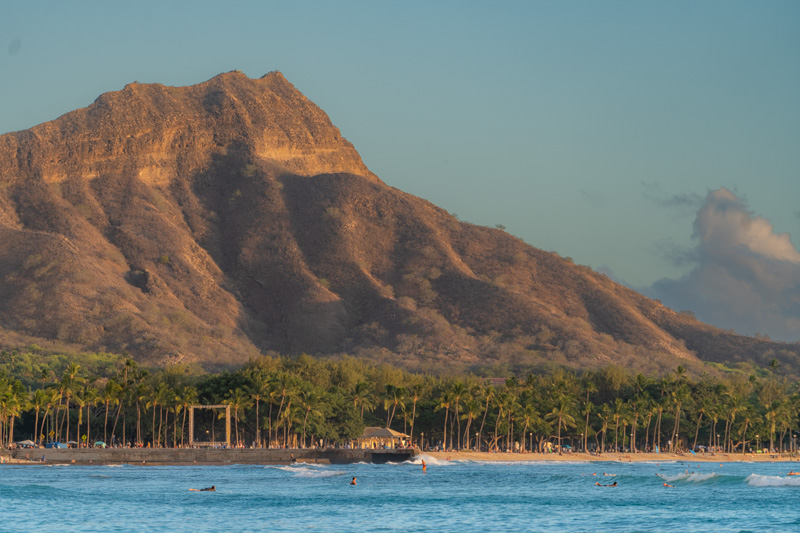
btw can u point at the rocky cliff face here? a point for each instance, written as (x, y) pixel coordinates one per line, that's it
(155, 132)
(212, 222)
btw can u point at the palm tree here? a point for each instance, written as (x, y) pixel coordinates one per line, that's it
(619, 412)
(445, 402)
(604, 415)
(13, 400)
(489, 394)
(563, 413)
(52, 397)
(678, 396)
(40, 401)
(634, 407)
(259, 389)
(68, 383)
(237, 400)
(188, 397)
(79, 401)
(363, 397)
(392, 396)
(286, 388)
(590, 388)
(501, 399)
(472, 408)
(164, 397)
(141, 394)
(702, 409)
(459, 391)
(308, 400)
(153, 399)
(531, 417)
(109, 396)
(415, 393)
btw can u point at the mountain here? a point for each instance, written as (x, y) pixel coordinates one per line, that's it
(215, 222)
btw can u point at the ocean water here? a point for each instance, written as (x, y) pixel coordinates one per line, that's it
(451, 496)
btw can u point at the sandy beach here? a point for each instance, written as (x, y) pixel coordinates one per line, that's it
(621, 457)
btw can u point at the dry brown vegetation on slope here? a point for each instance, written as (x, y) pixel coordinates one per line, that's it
(212, 222)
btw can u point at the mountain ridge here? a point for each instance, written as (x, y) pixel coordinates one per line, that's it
(212, 222)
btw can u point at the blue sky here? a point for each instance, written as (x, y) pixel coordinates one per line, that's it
(593, 129)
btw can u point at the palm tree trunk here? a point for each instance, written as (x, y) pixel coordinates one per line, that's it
(586, 430)
(559, 434)
(458, 424)
(36, 425)
(258, 431)
(269, 423)
(105, 424)
(483, 421)
(116, 418)
(697, 430)
(183, 425)
(413, 417)
(11, 431)
(67, 417)
(444, 439)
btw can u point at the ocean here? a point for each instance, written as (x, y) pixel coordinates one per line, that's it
(451, 496)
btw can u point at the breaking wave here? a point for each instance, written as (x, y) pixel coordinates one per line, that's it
(756, 480)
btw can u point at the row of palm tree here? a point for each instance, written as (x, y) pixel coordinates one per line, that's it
(297, 402)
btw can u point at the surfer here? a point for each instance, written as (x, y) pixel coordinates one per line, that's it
(668, 485)
(425, 467)
(611, 485)
(793, 473)
(212, 488)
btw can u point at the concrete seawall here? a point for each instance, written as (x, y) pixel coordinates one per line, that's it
(211, 456)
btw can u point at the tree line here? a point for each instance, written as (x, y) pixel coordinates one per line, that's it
(300, 401)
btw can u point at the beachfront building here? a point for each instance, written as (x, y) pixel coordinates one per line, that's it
(377, 437)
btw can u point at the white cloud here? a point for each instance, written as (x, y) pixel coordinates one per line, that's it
(746, 276)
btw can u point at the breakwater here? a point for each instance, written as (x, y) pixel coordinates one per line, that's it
(211, 456)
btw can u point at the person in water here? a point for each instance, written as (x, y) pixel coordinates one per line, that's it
(212, 488)
(668, 485)
(612, 485)
(353, 482)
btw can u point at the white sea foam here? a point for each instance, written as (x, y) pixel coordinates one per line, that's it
(756, 480)
(303, 470)
(287, 468)
(317, 473)
(694, 477)
(429, 460)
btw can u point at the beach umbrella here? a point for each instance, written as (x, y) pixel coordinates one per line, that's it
(100, 443)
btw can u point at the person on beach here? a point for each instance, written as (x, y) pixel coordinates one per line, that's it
(212, 488)
(353, 482)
